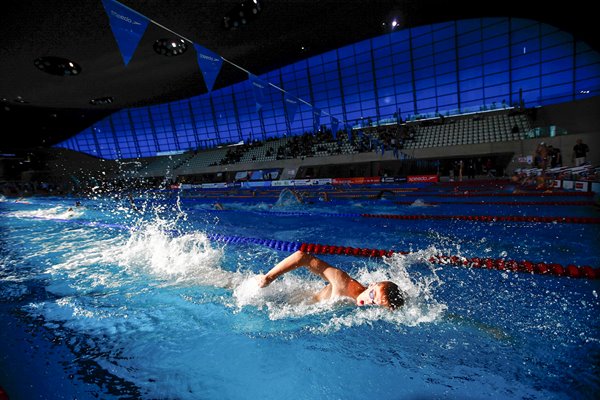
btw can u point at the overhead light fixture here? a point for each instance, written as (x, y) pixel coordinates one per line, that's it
(57, 66)
(170, 47)
(102, 101)
(242, 14)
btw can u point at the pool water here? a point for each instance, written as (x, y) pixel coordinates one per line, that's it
(103, 301)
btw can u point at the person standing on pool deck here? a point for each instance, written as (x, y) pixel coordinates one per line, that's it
(580, 151)
(385, 293)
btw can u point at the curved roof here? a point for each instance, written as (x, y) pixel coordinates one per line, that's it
(49, 108)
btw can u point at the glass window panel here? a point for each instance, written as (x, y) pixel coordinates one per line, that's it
(444, 79)
(527, 59)
(447, 101)
(380, 41)
(446, 89)
(589, 71)
(471, 84)
(560, 64)
(495, 67)
(447, 55)
(557, 78)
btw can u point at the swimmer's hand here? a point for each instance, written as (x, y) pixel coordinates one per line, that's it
(264, 280)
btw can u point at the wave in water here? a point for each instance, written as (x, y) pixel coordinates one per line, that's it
(58, 212)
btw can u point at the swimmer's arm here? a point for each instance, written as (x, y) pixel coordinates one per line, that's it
(314, 265)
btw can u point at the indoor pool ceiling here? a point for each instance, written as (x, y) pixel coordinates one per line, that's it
(47, 106)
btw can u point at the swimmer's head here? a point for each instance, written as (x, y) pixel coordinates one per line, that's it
(386, 294)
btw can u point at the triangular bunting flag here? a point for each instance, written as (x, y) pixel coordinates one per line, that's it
(291, 105)
(335, 124)
(316, 119)
(127, 26)
(210, 65)
(258, 88)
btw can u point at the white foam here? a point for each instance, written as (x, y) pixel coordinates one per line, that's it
(421, 203)
(291, 295)
(58, 212)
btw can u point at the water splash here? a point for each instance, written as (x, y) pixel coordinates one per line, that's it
(421, 203)
(58, 212)
(188, 258)
(292, 295)
(288, 198)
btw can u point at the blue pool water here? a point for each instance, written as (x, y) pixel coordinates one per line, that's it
(143, 306)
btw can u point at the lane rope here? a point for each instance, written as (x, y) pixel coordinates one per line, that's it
(500, 264)
(532, 267)
(475, 218)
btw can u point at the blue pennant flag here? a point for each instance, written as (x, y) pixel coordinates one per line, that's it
(335, 124)
(258, 88)
(291, 106)
(210, 65)
(316, 119)
(127, 26)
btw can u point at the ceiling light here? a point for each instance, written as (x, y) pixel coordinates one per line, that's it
(102, 101)
(170, 47)
(241, 14)
(57, 66)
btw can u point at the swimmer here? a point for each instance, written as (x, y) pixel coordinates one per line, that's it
(382, 193)
(386, 293)
(286, 196)
(218, 206)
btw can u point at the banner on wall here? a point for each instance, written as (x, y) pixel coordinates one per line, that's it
(219, 185)
(322, 181)
(210, 64)
(127, 26)
(257, 175)
(395, 179)
(422, 178)
(356, 181)
(284, 182)
(255, 184)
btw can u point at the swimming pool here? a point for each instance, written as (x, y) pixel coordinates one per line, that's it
(107, 302)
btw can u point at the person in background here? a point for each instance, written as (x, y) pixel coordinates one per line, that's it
(580, 151)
